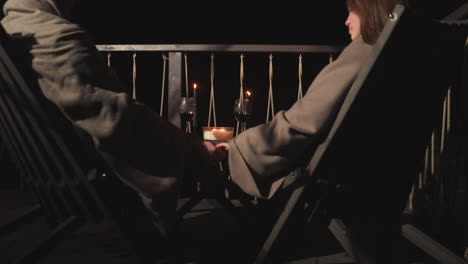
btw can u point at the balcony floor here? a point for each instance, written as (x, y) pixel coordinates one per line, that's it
(209, 234)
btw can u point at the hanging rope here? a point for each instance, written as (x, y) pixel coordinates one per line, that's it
(299, 71)
(241, 97)
(445, 130)
(134, 76)
(241, 89)
(186, 76)
(188, 95)
(212, 107)
(432, 171)
(449, 109)
(444, 125)
(163, 84)
(424, 171)
(187, 89)
(270, 92)
(109, 60)
(411, 197)
(427, 164)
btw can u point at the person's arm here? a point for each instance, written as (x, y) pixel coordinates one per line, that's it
(260, 157)
(73, 75)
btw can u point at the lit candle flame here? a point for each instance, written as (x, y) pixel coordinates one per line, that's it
(248, 94)
(195, 91)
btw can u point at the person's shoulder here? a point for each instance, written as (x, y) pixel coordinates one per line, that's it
(353, 56)
(356, 50)
(28, 11)
(38, 17)
(25, 5)
(358, 45)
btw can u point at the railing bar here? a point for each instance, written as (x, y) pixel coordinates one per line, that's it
(222, 48)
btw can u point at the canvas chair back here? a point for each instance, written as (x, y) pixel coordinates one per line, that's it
(376, 146)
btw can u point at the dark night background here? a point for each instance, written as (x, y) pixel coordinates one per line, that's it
(312, 23)
(156, 22)
(147, 22)
(144, 22)
(138, 21)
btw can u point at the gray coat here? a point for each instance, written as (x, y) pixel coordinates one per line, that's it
(261, 156)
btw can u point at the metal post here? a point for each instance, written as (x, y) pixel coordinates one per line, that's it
(175, 86)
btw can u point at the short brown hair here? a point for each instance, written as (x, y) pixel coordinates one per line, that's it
(373, 15)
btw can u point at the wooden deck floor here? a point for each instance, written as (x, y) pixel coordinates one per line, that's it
(209, 234)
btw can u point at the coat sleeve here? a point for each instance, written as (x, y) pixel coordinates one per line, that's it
(260, 157)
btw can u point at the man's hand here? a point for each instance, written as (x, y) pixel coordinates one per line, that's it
(216, 154)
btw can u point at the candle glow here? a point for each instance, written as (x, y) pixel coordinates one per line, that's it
(247, 95)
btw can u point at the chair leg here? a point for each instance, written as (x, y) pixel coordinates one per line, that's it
(349, 244)
(430, 246)
(25, 216)
(189, 205)
(265, 250)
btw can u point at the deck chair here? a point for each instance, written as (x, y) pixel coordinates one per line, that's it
(74, 186)
(364, 170)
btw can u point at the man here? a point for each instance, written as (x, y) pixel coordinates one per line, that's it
(147, 152)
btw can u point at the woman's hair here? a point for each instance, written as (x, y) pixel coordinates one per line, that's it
(373, 15)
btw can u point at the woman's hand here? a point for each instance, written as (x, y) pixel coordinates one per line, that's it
(216, 154)
(224, 146)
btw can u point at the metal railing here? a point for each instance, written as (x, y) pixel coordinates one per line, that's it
(175, 59)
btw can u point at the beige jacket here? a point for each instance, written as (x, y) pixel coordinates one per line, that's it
(260, 157)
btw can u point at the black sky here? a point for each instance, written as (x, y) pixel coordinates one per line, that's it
(156, 22)
(306, 23)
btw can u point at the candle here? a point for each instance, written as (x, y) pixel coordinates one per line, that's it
(195, 92)
(208, 135)
(222, 134)
(218, 133)
(247, 95)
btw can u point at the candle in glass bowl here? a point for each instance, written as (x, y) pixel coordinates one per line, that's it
(218, 133)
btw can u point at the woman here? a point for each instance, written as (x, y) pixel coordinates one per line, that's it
(262, 155)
